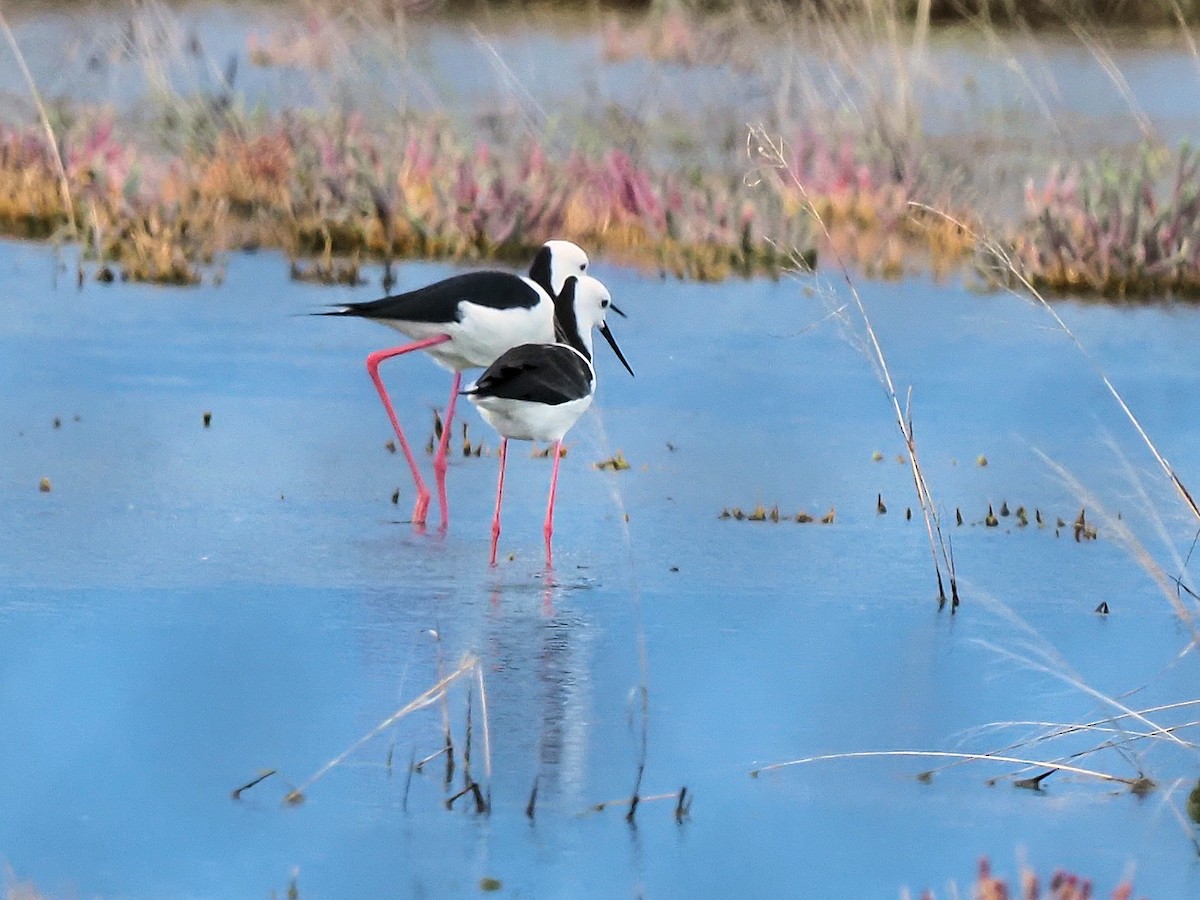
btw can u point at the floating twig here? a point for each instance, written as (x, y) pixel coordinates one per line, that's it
(636, 800)
(420, 765)
(236, 794)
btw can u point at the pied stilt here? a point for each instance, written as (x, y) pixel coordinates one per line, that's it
(466, 322)
(536, 392)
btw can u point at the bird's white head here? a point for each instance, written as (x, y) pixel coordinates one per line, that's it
(555, 262)
(584, 304)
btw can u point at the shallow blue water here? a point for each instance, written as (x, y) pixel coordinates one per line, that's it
(189, 606)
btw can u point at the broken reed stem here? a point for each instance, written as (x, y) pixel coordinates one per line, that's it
(469, 782)
(467, 739)
(1006, 262)
(412, 767)
(771, 151)
(532, 804)
(683, 805)
(946, 754)
(472, 788)
(437, 636)
(420, 764)
(64, 185)
(421, 701)
(633, 803)
(236, 794)
(641, 769)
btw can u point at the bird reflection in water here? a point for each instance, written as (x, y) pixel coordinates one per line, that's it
(535, 645)
(538, 668)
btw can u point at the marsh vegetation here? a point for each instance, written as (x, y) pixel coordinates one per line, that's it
(391, 155)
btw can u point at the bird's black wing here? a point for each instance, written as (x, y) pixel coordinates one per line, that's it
(439, 302)
(541, 373)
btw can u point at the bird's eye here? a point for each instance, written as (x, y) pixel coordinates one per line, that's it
(604, 304)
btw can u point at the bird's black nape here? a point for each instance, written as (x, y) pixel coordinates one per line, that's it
(540, 271)
(566, 325)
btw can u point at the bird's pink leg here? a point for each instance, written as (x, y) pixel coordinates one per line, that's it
(373, 361)
(548, 530)
(440, 464)
(499, 495)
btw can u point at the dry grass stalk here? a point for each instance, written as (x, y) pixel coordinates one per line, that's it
(771, 153)
(1186, 33)
(1116, 76)
(946, 754)
(1085, 688)
(438, 692)
(1144, 784)
(51, 139)
(1062, 730)
(1152, 512)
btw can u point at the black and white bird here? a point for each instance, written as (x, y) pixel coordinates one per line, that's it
(464, 322)
(537, 391)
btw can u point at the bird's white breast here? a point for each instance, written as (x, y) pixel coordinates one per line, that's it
(525, 420)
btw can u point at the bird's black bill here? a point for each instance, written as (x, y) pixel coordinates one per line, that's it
(613, 307)
(612, 342)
